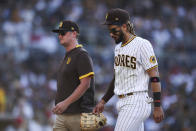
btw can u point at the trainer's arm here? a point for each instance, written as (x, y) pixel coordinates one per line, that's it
(79, 91)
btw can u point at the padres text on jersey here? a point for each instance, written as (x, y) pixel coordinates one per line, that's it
(130, 63)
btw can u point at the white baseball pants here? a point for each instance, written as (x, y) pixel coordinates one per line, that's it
(132, 112)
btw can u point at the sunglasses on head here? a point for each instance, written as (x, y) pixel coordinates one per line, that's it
(62, 33)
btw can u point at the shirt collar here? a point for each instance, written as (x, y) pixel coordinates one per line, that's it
(130, 39)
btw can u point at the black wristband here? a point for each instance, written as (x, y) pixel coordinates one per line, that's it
(154, 79)
(157, 99)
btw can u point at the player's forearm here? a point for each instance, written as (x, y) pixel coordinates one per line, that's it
(156, 86)
(110, 92)
(79, 91)
(156, 89)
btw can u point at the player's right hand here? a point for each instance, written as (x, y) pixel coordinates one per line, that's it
(158, 114)
(99, 107)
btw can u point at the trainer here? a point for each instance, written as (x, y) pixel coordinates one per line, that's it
(75, 81)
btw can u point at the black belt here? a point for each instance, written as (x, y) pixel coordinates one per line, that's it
(124, 95)
(131, 93)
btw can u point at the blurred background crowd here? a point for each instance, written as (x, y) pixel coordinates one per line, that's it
(30, 55)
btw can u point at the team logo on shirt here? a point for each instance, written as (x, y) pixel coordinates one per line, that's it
(72, 28)
(61, 24)
(152, 59)
(125, 60)
(106, 16)
(68, 60)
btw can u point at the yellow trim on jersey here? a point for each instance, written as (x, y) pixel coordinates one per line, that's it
(128, 41)
(68, 60)
(79, 45)
(86, 75)
(152, 68)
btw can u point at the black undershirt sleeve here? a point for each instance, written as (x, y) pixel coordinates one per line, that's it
(110, 91)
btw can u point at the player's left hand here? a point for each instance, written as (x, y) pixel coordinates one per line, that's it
(158, 114)
(60, 107)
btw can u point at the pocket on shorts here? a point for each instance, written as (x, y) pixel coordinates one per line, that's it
(119, 105)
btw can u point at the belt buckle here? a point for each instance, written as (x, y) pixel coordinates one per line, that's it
(123, 96)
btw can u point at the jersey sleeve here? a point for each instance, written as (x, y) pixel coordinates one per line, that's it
(84, 65)
(148, 58)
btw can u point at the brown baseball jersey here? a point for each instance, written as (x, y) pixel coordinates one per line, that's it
(75, 66)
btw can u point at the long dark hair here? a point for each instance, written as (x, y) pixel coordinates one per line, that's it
(130, 27)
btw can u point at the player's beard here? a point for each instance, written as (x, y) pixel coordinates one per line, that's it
(120, 38)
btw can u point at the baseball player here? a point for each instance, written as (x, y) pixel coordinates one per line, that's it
(135, 66)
